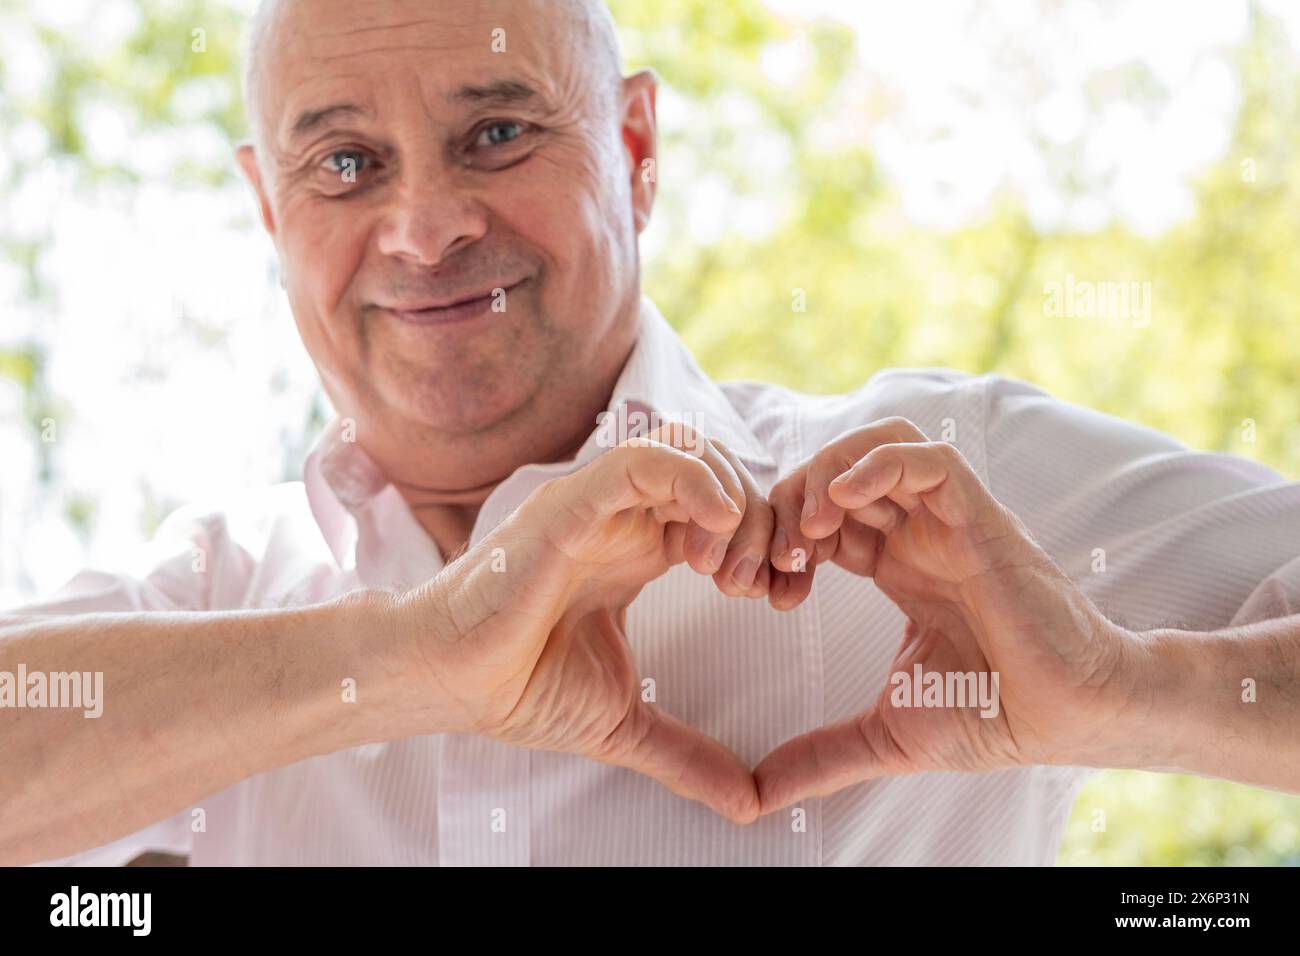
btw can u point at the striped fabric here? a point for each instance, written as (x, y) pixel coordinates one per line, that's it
(1187, 538)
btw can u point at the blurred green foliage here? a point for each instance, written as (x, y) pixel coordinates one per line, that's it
(1220, 347)
(1150, 819)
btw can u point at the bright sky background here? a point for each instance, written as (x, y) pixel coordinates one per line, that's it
(961, 80)
(163, 410)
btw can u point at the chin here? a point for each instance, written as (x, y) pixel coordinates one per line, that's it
(461, 406)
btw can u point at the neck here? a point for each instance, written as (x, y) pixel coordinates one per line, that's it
(448, 516)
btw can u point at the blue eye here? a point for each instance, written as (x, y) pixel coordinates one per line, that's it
(492, 133)
(345, 161)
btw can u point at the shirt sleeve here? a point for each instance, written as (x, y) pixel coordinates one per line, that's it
(1157, 534)
(174, 571)
(191, 563)
(1278, 596)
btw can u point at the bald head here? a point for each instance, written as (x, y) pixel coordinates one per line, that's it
(586, 24)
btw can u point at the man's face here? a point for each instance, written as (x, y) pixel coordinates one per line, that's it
(414, 155)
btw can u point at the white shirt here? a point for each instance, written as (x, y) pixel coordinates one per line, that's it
(1198, 540)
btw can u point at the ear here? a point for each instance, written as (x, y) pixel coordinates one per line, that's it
(247, 158)
(639, 125)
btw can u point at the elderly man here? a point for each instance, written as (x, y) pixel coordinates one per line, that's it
(492, 626)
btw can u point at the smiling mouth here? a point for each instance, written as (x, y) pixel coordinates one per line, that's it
(462, 311)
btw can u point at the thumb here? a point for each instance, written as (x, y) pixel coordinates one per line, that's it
(689, 763)
(826, 760)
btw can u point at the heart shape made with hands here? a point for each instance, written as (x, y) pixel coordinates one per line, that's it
(543, 659)
(984, 605)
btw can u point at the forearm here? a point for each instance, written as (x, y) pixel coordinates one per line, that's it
(1221, 703)
(190, 704)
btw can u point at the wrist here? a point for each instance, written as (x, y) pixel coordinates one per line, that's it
(1151, 704)
(391, 638)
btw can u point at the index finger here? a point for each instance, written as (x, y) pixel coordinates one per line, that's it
(822, 515)
(643, 473)
(934, 473)
(688, 762)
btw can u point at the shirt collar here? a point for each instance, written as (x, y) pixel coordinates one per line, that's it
(663, 379)
(661, 382)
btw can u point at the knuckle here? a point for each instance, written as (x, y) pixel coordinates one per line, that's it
(827, 463)
(751, 538)
(761, 518)
(948, 452)
(788, 487)
(904, 429)
(624, 456)
(625, 449)
(680, 436)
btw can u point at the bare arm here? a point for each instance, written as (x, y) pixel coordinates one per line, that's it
(195, 702)
(192, 703)
(1221, 703)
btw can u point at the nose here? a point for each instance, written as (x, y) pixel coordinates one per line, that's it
(430, 217)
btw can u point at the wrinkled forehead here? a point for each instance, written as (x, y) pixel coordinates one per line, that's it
(306, 54)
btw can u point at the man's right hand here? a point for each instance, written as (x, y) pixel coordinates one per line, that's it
(522, 638)
(533, 654)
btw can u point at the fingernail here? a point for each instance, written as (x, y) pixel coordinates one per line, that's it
(731, 505)
(716, 554)
(745, 572)
(809, 506)
(780, 543)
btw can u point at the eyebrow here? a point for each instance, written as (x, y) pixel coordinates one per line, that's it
(504, 92)
(311, 119)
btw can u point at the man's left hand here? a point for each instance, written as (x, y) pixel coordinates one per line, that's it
(980, 597)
